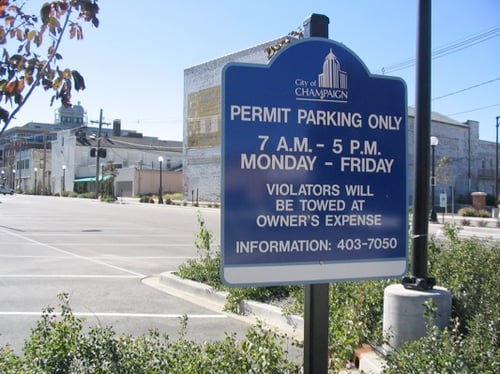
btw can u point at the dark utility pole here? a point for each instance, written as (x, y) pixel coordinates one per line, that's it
(419, 279)
(98, 153)
(97, 156)
(316, 295)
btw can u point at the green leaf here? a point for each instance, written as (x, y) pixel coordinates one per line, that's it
(78, 80)
(4, 114)
(45, 13)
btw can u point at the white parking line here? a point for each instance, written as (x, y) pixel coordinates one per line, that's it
(108, 256)
(125, 315)
(72, 254)
(71, 276)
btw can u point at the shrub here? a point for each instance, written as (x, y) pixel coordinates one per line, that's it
(471, 212)
(355, 317)
(205, 268)
(174, 196)
(468, 269)
(59, 345)
(88, 195)
(449, 351)
(108, 198)
(466, 222)
(146, 199)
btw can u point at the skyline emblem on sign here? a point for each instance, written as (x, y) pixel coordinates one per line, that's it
(331, 85)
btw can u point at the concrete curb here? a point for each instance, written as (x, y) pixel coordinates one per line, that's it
(250, 311)
(271, 316)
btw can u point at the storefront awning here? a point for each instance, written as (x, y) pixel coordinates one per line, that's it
(91, 179)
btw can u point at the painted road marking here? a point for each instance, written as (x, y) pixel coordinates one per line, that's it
(73, 254)
(126, 315)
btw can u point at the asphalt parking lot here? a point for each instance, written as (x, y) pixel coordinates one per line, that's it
(100, 254)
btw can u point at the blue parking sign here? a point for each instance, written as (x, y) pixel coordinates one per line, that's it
(314, 163)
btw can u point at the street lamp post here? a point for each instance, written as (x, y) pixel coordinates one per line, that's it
(160, 191)
(63, 181)
(36, 174)
(434, 143)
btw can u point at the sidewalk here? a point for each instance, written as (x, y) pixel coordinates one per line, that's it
(487, 222)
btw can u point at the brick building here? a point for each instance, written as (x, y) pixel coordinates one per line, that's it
(464, 163)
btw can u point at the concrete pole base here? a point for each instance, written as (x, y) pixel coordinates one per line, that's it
(404, 319)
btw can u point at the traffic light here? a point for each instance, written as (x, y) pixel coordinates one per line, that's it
(92, 152)
(102, 152)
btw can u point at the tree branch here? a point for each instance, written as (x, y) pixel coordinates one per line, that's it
(40, 72)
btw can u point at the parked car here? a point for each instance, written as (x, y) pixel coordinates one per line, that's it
(6, 190)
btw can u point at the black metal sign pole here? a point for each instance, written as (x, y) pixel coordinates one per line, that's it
(419, 279)
(316, 295)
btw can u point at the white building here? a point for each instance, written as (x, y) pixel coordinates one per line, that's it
(74, 162)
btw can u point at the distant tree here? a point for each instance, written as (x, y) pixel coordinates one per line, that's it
(291, 37)
(30, 55)
(110, 171)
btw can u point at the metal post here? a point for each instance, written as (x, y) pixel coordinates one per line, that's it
(434, 143)
(160, 191)
(63, 182)
(44, 191)
(316, 328)
(97, 157)
(20, 168)
(419, 279)
(496, 165)
(36, 172)
(316, 295)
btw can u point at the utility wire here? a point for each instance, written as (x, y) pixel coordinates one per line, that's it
(446, 50)
(473, 110)
(466, 89)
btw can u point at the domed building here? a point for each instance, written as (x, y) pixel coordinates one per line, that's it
(69, 117)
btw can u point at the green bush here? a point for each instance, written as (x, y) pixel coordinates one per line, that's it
(471, 212)
(173, 196)
(59, 345)
(146, 199)
(68, 194)
(468, 268)
(449, 350)
(355, 317)
(87, 195)
(206, 269)
(108, 198)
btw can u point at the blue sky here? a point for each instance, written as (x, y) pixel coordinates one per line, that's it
(134, 62)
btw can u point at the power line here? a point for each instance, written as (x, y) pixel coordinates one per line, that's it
(446, 50)
(473, 110)
(466, 89)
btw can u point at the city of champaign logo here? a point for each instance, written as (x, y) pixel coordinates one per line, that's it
(330, 86)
